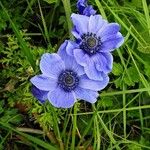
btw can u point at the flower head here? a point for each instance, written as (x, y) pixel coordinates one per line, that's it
(64, 81)
(96, 38)
(84, 8)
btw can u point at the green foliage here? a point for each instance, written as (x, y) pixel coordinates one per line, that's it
(117, 69)
(105, 102)
(129, 77)
(118, 120)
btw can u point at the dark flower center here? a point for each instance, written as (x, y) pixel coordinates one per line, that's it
(90, 43)
(68, 80)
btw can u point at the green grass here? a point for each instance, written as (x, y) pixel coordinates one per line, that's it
(118, 120)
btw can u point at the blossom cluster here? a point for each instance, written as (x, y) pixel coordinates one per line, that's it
(80, 68)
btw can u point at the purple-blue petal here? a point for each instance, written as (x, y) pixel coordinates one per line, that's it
(109, 29)
(51, 65)
(92, 72)
(94, 85)
(87, 95)
(96, 23)
(84, 8)
(81, 5)
(76, 34)
(112, 43)
(39, 94)
(81, 57)
(88, 11)
(61, 99)
(44, 83)
(103, 62)
(80, 22)
(69, 47)
(70, 62)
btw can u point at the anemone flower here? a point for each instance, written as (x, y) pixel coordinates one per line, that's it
(65, 82)
(96, 39)
(84, 8)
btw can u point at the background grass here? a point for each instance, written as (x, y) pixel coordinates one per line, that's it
(120, 119)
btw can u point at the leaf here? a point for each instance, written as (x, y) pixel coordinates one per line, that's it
(117, 69)
(134, 77)
(106, 102)
(118, 82)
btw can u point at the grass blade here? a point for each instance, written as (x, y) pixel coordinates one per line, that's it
(30, 138)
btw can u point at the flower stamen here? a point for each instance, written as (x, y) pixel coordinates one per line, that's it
(68, 80)
(90, 43)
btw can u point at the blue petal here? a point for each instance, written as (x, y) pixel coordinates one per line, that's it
(92, 72)
(70, 62)
(87, 83)
(81, 4)
(76, 34)
(39, 94)
(109, 29)
(96, 23)
(81, 57)
(44, 83)
(112, 43)
(103, 62)
(88, 11)
(68, 46)
(80, 22)
(61, 99)
(87, 95)
(51, 65)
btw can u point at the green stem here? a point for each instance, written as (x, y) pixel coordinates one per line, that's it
(67, 8)
(124, 112)
(57, 129)
(74, 127)
(106, 130)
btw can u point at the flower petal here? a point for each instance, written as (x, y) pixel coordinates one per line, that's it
(44, 83)
(92, 72)
(81, 5)
(96, 23)
(103, 62)
(88, 11)
(60, 98)
(86, 83)
(87, 95)
(70, 62)
(70, 47)
(76, 34)
(39, 94)
(111, 44)
(81, 57)
(109, 29)
(51, 65)
(80, 22)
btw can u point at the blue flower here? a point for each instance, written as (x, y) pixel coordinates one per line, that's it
(96, 38)
(64, 80)
(84, 8)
